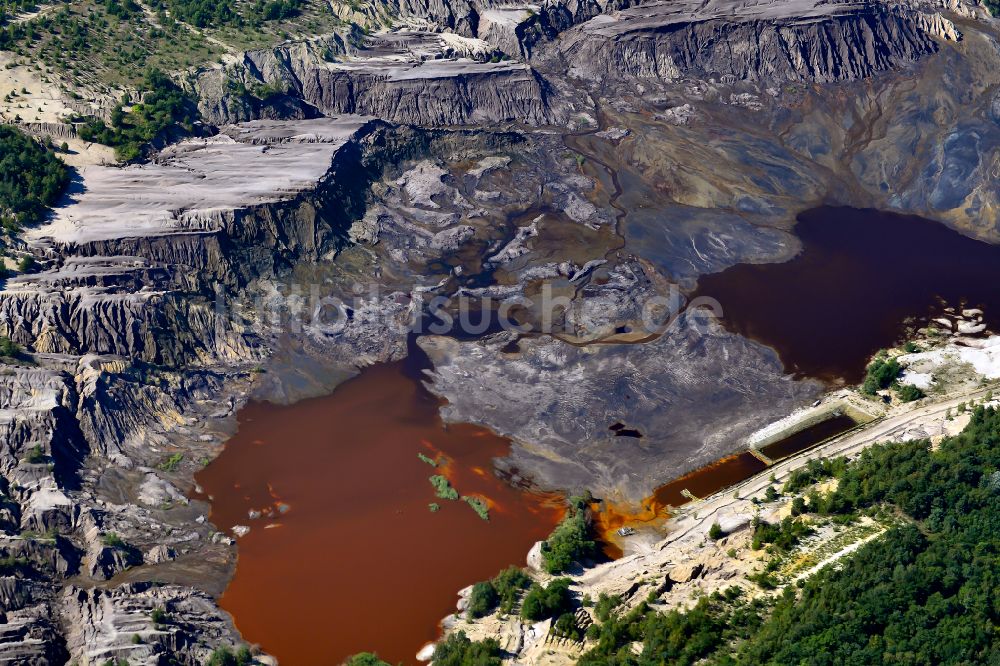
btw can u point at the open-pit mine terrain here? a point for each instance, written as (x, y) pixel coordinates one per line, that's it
(610, 332)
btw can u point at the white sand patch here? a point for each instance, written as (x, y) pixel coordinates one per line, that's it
(922, 380)
(983, 355)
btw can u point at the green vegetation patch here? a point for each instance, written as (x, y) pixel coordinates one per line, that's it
(880, 374)
(225, 656)
(36, 455)
(909, 393)
(816, 470)
(31, 178)
(459, 650)
(8, 348)
(478, 505)
(698, 636)
(170, 464)
(783, 535)
(502, 592)
(427, 459)
(365, 659)
(443, 487)
(550, 601)
(164, 106)
(101, 45)
(570, 541)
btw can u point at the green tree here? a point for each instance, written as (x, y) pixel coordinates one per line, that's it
(365, 659)
(482, 600)
(549, 601)
(570, 541)
(458, 650)
(31, 178)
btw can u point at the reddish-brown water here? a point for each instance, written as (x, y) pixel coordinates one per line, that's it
(860, 275)
(351, 559)
(708, 480)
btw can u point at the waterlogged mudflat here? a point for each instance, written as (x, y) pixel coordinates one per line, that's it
(859, 276)
(350, 557)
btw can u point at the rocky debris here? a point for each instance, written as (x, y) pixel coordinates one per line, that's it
(517, 247)
(613, 133)
(101, 624)
(159, 554)
(677, 115)
(155, 491)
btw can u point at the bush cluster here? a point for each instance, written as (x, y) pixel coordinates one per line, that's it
(31, 178)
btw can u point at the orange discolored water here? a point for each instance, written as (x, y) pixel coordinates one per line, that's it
(700, 483)
(347, 556)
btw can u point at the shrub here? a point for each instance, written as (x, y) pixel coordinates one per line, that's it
(478, 505)
(458, 650)
(814, 471)
(26, 264)
(567, 628)
(715, 532)
(569, 541)
(31, 178)
(36, 455)
(8, 348)
(163, 105)
(112, 540)
(545, 602)
(606, 604)
(365, 659)
(909, 393)
(224, 656)
(482, 600)
(784, 535)
(443, 487)
(171, 463)
(502, 591)
(509, 584)
(10, 565)
(880, 374)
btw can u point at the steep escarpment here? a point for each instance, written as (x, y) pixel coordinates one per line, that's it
(769, 42)
(414, 78)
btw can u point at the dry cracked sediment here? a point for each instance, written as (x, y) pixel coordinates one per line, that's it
(612, 157)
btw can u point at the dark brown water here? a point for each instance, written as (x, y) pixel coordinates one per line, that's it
(708, 480)
(810, 436)
(348, 557)
(860, 274)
